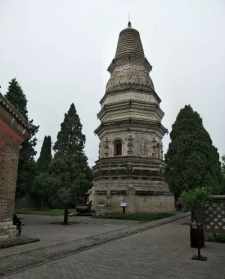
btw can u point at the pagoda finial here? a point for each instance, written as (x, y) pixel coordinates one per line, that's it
(129, 22)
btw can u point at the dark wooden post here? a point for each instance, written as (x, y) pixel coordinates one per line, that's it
(65, 222)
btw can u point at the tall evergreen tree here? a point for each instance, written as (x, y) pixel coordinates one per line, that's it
(16, 96)
(192, 160)
(41, 189)
(45, 157)
(26, 165)
(69, 170)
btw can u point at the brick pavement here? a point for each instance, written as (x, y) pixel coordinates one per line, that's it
(160, 252)
(51, 232)
(53, 246)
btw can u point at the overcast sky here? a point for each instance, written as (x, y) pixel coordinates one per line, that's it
(59, 52)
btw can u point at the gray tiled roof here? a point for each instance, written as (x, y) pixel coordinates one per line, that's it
(12, 110)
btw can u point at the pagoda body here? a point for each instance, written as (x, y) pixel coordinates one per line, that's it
(129, 170)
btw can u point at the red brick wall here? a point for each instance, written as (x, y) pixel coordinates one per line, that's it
(8, 175)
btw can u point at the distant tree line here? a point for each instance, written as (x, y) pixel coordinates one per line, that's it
(58, 181)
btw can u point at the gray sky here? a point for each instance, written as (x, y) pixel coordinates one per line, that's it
(59, 52)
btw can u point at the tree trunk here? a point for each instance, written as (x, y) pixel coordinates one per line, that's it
(65, 221)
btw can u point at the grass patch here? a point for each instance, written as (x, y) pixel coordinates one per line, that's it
(44, 211)
(143, 217)
(216, 237)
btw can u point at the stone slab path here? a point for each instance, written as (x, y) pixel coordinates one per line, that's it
(159, 252)
(58, 241)
(51, 232)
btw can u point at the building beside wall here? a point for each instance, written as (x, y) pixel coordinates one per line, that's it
(13, 131)
(129, 171)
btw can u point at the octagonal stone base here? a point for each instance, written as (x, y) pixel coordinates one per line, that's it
(108, 197)
(135, 204)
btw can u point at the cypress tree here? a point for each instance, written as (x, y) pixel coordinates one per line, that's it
(69, 170)
(191, 161)
(26, 164)
(45, 157)
(40, 188)
(16, 96)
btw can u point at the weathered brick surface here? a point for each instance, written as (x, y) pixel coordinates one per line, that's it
(8, 174)
(13, 131)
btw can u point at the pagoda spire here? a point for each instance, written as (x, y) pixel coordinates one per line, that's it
(129, 68)
(129, 43)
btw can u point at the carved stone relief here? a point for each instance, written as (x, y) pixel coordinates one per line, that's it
(130, 145)
(106, 147)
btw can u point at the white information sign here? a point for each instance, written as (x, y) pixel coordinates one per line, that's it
(123, 204)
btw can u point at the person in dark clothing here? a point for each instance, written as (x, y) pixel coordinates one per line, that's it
(17, 222)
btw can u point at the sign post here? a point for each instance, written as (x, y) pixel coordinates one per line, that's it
(123, 205)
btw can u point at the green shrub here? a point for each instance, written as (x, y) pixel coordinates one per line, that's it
(196, 198)
(216, 237)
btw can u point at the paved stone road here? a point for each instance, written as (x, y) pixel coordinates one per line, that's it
(159, 253)
(51, 232)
